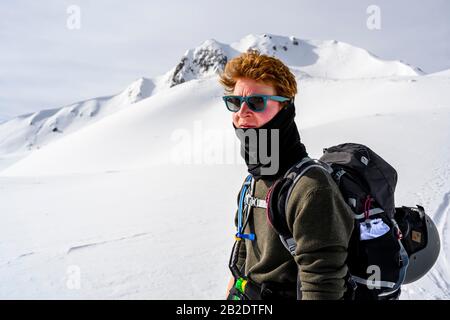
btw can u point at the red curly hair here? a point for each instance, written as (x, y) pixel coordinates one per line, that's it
(259, 67)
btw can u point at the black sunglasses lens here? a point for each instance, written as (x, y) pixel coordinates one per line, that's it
(233, 104)
(256, 103)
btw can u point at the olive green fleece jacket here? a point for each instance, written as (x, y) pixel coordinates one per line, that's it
(321, 223)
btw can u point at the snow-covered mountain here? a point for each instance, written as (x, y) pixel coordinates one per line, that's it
(325, 59)
(307, 58)
(28, 132)
(142, 199)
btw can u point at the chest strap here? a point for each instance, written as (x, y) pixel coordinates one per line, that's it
(255, 202)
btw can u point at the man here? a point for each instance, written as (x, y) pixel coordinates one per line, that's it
(260, 93)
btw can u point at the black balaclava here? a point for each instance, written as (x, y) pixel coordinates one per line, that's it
(291, 150)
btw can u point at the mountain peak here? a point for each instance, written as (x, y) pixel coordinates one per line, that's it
(211, 56)
(266, 43)
(208, 58)
(138, 90)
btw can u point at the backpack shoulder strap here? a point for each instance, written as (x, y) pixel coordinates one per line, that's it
(243, 209)
(278, 198)
(300, 170)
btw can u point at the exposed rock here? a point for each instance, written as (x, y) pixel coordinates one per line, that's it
(207, 59)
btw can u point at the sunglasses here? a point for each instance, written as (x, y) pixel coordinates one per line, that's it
(256, 103)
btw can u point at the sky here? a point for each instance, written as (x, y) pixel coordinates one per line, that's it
(46, 64)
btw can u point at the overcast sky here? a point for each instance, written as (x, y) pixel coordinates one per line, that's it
(44, 64)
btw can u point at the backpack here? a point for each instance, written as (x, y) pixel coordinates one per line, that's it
(377, 260)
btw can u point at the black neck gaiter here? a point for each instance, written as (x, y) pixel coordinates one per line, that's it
(290, 150)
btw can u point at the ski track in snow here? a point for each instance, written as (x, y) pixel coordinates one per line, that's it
(440, 218)
(78, 247)
(19, 257)
(94, 244)
(442, 210)
(440, 274)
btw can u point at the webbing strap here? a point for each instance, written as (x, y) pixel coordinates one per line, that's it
(372, 212)
(289, 244)
(374, 283)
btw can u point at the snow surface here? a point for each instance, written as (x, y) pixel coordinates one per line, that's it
(141, 200)
(443, 73)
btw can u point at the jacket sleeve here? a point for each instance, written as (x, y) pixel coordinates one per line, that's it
(321, 224)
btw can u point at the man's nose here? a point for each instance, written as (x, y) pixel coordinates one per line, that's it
(244, 108)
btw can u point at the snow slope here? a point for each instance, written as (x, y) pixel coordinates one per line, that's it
(140, 204)
(443, 73)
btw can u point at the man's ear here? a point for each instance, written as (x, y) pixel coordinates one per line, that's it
(285, 104)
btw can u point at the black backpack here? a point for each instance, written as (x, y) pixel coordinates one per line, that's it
(377, 264)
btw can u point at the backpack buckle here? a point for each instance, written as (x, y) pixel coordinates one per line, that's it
(255, 202)
(251, 201)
